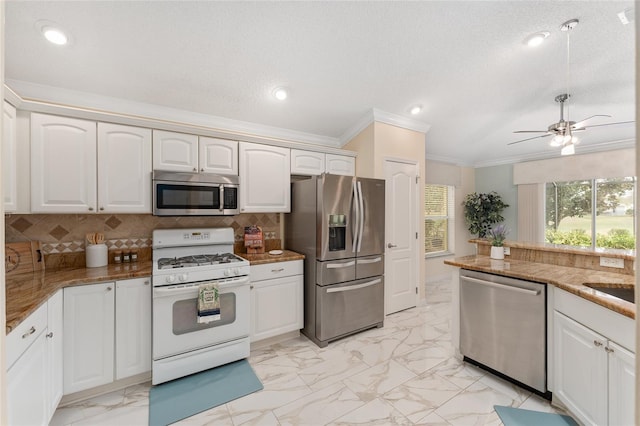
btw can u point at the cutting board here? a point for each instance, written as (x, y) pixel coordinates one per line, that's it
(23, 257)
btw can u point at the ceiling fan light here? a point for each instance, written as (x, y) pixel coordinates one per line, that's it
(556, 141)
(568, 149)
(575, 140)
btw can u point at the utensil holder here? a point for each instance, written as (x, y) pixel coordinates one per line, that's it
(96, 255)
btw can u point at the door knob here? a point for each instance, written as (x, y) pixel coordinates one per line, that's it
(391, 245)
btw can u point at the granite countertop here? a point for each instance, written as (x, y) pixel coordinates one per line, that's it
(261, 259)
(567, 278)
(27, 292)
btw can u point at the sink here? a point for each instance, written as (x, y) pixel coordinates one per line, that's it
(621, 291)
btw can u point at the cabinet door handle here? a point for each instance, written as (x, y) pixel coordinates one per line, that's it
(146, 282)
(202, 169)
(108, 288)
(29, 333)
(597, 343)
(50, 334)
(277, 270)
(101, 208)
(251, 287)
(90, 209)
(195, 169)
(608, 349)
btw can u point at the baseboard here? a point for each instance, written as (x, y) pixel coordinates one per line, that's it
(101, 390)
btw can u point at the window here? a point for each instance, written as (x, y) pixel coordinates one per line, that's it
(438, 219)
(570, 208)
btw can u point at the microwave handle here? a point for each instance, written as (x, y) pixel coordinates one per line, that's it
(221, 197)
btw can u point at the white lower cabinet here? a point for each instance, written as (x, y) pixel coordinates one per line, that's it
(100, 322)
(593, 376)
(133, 327)
(27, 386)
(276, 299)
(88, 336)
(34, 356)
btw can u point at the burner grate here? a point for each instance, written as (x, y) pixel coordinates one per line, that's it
(196, 260)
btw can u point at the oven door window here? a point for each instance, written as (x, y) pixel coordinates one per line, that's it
(171, 196)
(185, 313)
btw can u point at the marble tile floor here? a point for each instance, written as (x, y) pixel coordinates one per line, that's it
(403, 373)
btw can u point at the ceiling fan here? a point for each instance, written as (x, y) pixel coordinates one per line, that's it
(563, 131)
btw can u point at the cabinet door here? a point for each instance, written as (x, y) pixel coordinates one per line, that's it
(177, 152)
(88, 336)
(580, 370)
(124, 169)
(265, 180)
(218, 156)
(340, 165)
(276, 307)
(307, 162)
(54, 351)
(63, 165)
(133, 327)
(622, 381)
(9, 158)
(27, 386)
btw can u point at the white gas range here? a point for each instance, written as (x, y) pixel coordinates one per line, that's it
(183, 260)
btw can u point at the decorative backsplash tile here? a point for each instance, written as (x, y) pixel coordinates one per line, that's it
(65, 233)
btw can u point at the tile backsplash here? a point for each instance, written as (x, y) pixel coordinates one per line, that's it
(65, 233)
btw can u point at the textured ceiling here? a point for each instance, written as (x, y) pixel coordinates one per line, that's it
(464, 61)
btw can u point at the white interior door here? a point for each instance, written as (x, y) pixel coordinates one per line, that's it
(401, 275)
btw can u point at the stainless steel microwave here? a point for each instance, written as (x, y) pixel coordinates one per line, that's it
(194, 194)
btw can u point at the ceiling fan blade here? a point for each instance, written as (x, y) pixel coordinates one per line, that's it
(528, 139)
(581, 123)
(531, 131)
(610, 124)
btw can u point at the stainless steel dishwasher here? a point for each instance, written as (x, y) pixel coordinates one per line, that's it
(503, 326)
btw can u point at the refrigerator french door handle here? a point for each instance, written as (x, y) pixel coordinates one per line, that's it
(354, 287)
(360, 201)
(354, 245)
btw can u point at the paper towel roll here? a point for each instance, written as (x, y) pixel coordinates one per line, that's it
(97, 255)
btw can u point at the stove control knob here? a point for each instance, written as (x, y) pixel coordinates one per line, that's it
(236, 271)
(171, 278)
(183, 277)
(227, 272)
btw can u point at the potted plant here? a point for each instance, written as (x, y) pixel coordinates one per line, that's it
(497, 236)
(482, 210)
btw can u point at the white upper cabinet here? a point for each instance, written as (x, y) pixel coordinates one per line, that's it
(315, 163)
(180, 152)
(218, 156)
(340, 165)
(63, 165)
(265, 178)
(80, 166)
(176, 152)
(9, 158)
(124, 169)
(307, 162)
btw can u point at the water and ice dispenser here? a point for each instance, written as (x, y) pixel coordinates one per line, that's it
(337, 232)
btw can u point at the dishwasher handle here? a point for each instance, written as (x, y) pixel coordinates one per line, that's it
(502, 286)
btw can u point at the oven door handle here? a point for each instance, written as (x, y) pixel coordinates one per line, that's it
(178, 290)
(353, 287)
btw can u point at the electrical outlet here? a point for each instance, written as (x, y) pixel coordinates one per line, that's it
(507, 251)
(612, 262)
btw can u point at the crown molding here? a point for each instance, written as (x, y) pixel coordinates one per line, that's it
(449, 160)
(53, 100)
(383, 117)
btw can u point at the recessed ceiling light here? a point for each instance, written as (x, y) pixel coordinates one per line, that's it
(280, 93)
(537, 39)
(415, 109)
(55, 35)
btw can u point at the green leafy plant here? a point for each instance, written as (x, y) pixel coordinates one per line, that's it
(481, 210)
(497, 235)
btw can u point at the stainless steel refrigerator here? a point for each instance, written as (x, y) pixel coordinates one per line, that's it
(337, 222)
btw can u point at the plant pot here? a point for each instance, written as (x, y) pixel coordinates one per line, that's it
(497, 252)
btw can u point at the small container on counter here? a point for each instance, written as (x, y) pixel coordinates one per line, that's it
(134, 255)
(126, 256)
(117, 256)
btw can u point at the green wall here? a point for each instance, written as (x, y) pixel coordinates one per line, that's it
(500, 179)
